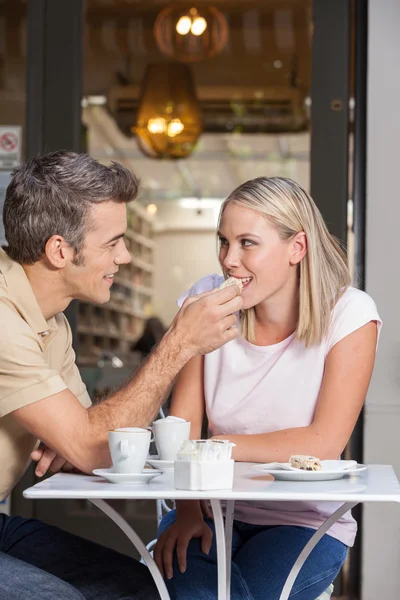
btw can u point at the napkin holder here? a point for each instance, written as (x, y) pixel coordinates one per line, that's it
(204, 465)
(205, 475)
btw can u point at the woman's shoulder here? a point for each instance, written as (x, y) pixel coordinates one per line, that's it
(205, 284)
(354, 299)
(353, 310)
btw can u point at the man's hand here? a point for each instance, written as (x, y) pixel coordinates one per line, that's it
(206, 322)
(48, 460)
(202, 325)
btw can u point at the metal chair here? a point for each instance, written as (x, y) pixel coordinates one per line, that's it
(326, 594)
(161, 508)
(161, 505)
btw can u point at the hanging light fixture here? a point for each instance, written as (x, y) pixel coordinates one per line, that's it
(191, 34)
(168, 118)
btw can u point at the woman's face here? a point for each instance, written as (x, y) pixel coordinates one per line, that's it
(251, 250)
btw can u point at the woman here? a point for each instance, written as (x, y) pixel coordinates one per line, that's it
(293, 383)
(154, 330)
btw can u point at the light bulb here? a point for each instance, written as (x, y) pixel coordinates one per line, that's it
(175, 127)
(183, 25)
(157, 125)
(199, 26)
(151, 209)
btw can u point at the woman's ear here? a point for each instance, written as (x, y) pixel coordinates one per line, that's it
(298, 248)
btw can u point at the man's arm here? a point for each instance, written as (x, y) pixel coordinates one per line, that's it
(79, 435)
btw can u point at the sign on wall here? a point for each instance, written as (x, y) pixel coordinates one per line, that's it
(10, 146)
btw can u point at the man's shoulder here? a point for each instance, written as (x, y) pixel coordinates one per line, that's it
(9, 309)
(16, 333)
(64, 329)
(62, 322)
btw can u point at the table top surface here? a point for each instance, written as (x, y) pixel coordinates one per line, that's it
(377, 484)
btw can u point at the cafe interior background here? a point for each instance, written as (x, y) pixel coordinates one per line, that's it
(195, 98)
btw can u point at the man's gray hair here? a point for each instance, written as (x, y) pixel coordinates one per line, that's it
(52, 194)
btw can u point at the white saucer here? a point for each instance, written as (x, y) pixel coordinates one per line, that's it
(136, 478)
(331, 470)
(163, 465)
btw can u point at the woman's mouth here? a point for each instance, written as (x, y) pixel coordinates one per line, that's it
(245, 280)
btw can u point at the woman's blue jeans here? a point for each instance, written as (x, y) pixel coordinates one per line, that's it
(261, 561)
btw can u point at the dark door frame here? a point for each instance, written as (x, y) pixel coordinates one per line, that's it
(333, 24)
(53, 114)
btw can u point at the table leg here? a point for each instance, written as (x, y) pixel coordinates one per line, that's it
(230, 506)
(222, 559)
(310, 545)
(137, 542)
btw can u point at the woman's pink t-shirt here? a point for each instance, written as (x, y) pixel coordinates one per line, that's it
(259, 389)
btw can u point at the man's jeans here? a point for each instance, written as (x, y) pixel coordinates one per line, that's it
(40, 562)
(261, 561)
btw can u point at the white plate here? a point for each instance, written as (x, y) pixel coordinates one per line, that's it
(331, 469)
(144, 477)
(327, 465)
(163, 465)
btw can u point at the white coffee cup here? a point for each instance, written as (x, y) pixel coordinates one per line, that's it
(129, 448)
(169, 434)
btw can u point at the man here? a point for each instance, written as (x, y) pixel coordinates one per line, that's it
(65, 219)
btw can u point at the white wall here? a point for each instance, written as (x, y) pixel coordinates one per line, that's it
(181, 259)
(186, 250)
(381, 540)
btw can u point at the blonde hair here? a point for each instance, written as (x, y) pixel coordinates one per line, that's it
(323, 272)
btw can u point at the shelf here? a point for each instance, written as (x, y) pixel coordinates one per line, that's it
(100, 332)
(142, 289)
(141, 264)
(120, 322)
(133, 286)
(87, 361)
(124, 310)
(140, 211)
(140, 239)
(92, 362)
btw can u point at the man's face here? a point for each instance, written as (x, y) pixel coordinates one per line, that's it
(104, 250)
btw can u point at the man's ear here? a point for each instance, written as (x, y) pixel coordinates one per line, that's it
(58, 252)
(298, 248)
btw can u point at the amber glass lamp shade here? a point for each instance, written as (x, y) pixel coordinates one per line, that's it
(190, 34)
(169, 118)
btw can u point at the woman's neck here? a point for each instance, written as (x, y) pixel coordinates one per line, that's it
(276, 318)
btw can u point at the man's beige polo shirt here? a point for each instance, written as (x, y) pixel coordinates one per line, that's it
(36, 361)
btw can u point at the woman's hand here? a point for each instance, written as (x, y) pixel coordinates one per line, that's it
(189, 524)
(206, 509)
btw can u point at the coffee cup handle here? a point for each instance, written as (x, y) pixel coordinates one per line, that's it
(152, 434)
(124, 447)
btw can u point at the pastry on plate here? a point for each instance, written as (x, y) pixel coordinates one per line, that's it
(305, 463)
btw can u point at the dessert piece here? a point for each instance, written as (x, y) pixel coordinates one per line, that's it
(232, 281)
(305, 463)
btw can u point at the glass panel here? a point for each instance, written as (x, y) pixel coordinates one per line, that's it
(252, 82)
